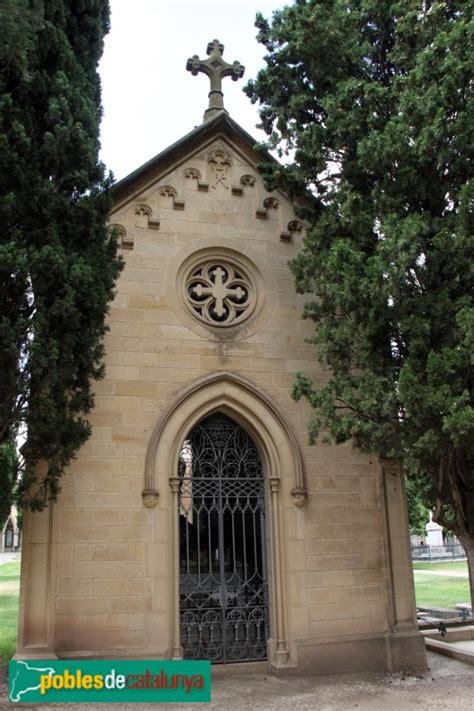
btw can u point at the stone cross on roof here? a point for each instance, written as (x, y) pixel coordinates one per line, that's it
(216, 69)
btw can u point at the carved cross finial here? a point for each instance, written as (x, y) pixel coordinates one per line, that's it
(216, 69)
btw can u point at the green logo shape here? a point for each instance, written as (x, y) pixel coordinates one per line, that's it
(55, 681)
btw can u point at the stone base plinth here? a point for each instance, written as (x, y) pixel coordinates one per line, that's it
(383, 653)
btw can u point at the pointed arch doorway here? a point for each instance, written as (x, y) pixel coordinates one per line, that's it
(231, 395)
(223, 593)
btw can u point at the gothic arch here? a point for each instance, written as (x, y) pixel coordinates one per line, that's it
(252, 409)
(244, 402)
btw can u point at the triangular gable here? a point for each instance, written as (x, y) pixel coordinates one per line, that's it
(218, 158)
(151, 171)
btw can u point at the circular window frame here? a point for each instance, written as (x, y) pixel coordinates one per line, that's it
(227, 264)
(255, 269)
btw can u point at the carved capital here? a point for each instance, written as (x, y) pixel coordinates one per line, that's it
(299, 496)
(174, 484)
(274, 484)
(150, 498)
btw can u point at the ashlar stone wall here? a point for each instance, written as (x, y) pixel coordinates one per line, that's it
(100, 560)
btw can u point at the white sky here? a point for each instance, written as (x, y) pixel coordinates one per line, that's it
(149, 98)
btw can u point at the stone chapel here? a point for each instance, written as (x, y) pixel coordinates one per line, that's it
(197, 522)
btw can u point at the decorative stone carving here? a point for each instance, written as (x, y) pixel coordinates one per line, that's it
(242, 397)
(192, 173)
(203, 250)
(219, 293)
(245, 181)
(147, 221)
(124, 241)
(167, 191)
(299, 496)
(295, 226)
(248, 181)
(220, 165)
(270, 203)
(292, 226)
(216, 69)
(150, 498)
(195, 174)
(143, 209)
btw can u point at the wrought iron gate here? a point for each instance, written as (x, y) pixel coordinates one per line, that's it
(223, 587)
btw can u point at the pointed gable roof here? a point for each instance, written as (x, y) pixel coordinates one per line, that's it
(220, 126)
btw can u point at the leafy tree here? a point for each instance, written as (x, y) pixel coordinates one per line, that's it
(418, 512)
(373, 102)
(58, 264)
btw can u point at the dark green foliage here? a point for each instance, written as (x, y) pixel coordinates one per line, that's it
(375, 100)
(418, 512)
(58, 264)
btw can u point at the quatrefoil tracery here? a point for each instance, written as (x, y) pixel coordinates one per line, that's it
(219, 293)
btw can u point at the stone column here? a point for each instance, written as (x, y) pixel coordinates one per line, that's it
(37, 599)
(282, 654)
(177, 650)
(407, 647)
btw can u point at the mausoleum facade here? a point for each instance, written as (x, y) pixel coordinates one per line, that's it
(197, 521)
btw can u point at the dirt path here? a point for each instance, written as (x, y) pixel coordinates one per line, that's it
(448, 685)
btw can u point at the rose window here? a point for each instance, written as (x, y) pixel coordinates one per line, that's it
(219, 293)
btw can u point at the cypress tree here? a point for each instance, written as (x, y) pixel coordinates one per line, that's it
(58, 263)
(373, 101)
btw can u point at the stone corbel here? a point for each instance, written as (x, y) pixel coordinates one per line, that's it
(150, 498)
(195, 174)
(293, 226)
(169, 191)
(124, 241)
(299, 496)
(248, 181)
(270, 203)
(144, 210)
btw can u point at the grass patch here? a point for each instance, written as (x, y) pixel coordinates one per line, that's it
(440, 591)
(9, 589)
(453, 565)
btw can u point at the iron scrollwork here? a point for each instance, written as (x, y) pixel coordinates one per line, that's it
(223, 587)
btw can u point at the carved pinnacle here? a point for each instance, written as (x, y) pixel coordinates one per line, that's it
(216, 69)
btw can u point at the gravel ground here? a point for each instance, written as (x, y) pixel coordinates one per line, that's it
(448, 685)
